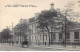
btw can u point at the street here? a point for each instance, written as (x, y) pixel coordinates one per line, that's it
(7, 47)
(13, 48)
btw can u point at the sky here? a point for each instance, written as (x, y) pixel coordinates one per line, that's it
(14, 14)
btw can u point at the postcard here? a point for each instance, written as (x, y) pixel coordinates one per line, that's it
(39, 25)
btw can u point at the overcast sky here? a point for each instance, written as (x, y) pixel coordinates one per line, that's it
(14, 14)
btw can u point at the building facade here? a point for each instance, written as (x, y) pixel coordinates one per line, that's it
(57, 36)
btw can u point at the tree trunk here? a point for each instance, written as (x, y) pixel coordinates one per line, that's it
(43, 38)
(43, 35)
(48, 34)
(20, 37)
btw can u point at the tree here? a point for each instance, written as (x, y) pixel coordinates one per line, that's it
(69, 14)
(6, 34)
(69, 11)
(46, 21)
(22, 29)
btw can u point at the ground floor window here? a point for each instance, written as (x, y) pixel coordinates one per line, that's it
(60, 35)
(67, 35)
(32, 37)
(35, 37)
(76, 35)
(40, 37)
(53, 37)
(46, 37)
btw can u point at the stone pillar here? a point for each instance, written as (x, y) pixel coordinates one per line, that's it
(57, 37)
(72, 36)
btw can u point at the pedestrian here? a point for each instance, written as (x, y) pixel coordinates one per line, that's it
(9, 43)
(45, 43)
(64, 43)
(12, 43)
(16, 42)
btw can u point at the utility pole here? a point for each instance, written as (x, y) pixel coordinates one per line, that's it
(12, 33)
(65, 28)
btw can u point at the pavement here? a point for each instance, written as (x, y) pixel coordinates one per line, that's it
(15, 47)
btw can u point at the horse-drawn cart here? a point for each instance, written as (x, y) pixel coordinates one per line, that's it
(25, 43)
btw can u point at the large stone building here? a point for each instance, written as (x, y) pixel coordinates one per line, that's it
(57, 36)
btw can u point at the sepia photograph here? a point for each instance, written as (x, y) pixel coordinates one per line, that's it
(39, 25)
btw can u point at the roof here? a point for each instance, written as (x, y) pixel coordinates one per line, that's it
(32, 19)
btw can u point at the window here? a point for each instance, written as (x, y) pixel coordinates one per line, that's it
(54, 36)
(35, 37)
(60, 35)
(46, 37)
(32, 29)
(59, 23)
(40, 37)
(76, 35)
(32, 37)
(67, 35)
(35, 28)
